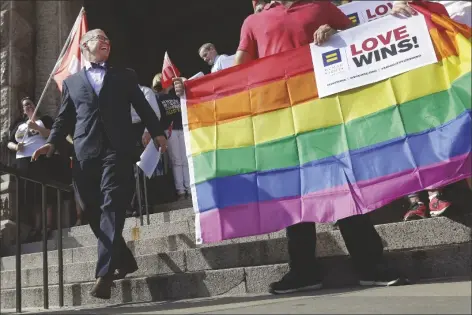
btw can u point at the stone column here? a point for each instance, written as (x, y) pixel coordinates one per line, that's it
(17, 79)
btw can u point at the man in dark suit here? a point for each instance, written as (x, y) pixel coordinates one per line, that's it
(96, 108)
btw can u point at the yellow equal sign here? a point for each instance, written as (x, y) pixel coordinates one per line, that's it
(353, 19)
(331, 57)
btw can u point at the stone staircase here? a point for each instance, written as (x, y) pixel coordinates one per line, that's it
(172, 266)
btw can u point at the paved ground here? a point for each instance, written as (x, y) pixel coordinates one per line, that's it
(445, 297)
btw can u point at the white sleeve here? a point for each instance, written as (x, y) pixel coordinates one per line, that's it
(151, 98)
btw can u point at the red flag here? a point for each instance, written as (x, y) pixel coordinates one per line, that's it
(72, 60)
(169, 71)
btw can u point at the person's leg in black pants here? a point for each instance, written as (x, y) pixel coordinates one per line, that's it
(104, 186)
(304, 272)
(366, 250)
(362, 241)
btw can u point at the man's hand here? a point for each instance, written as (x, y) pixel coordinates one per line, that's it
(146, 138)
(161, 142)
(32, 125)
(20, 146)
(179, 86)
(47, 149)
(322, 34)
(402, 9)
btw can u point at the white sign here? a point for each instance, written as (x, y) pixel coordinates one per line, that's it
(360, 12)
(371, 52)
(149, 159)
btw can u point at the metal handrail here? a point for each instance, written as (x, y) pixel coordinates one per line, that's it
(60, 187)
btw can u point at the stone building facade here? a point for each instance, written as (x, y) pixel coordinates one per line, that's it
(31, 37)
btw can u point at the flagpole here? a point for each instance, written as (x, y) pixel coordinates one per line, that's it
(61, 55)
(58, 62)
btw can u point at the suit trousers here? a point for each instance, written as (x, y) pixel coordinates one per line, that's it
(105, 187)
(362, 241)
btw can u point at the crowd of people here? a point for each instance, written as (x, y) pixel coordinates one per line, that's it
(107, 142)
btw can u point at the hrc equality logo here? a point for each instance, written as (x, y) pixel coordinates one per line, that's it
(354, 17)
(331, 57)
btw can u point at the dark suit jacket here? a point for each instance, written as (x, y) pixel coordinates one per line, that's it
(91, 117)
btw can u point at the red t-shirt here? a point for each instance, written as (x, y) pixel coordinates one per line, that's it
(278, 29)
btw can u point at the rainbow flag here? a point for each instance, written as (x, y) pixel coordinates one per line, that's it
(266, 153)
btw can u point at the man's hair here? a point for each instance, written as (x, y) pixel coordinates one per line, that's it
(86, 37)
(26, 98)
(206, 46)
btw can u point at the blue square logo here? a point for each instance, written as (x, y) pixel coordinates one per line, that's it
(331, 57)
(354, 17)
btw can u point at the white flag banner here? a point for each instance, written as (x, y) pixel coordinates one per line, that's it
(360, 12)
(370, 53)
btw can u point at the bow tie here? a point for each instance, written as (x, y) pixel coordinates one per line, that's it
(98, 66)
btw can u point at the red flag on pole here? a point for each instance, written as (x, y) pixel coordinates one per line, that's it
(169, 71)
(72, 60)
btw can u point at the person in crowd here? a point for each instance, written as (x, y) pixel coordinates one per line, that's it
(439, 203)
(104, 150)
(281, 26)
(209, 54)
(30, 134)
(171, 118)
(143, 137)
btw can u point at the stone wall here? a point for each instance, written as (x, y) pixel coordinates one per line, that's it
(32, 36)
(17, 67)
(17, 24)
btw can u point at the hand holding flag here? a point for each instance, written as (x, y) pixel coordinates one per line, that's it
(169, 71)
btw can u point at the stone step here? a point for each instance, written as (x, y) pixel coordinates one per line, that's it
(162, 215)
(437, 262)
(182, 233)
(407, 234)
(397, 237)
(85, 237)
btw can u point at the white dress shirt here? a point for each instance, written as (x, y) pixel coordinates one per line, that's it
(95, 76)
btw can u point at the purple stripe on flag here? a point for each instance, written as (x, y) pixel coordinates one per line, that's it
(358, 198)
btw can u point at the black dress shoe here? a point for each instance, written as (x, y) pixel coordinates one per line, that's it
(122, 272)
(102, 288)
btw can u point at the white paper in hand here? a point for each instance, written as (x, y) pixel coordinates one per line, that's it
(149, 159)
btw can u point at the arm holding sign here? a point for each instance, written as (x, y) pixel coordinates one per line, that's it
(338, 22)
(401, 8)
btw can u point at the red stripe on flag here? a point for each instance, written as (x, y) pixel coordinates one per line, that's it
(169, 71)
(72, 61)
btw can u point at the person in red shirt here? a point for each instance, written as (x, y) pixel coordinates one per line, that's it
(281, 26)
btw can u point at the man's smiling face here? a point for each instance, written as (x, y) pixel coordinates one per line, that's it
(99, 46)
